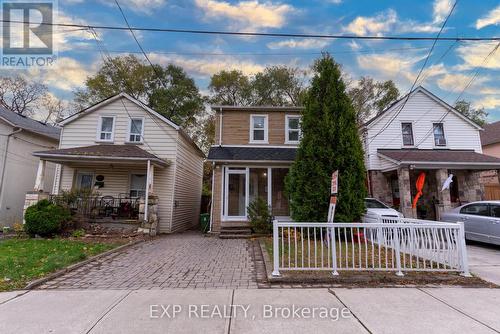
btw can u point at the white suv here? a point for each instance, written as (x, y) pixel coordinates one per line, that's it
(375, 209)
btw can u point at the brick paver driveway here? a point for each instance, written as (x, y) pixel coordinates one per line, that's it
(186, 260)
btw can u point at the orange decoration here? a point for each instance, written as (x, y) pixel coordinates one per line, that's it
(420, 185)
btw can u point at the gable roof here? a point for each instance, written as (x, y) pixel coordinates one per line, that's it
(491, 134)
(111, 99)
(29, 124)
(433, 97)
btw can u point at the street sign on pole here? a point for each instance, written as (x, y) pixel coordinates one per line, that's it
(333, 196)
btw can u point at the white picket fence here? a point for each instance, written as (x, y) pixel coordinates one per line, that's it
(390, 245)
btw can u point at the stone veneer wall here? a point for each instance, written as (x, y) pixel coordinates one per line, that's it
(470, 188)
(380, 186)
(153, 220)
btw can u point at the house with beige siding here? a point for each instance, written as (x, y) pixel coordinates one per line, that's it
(20, 136)
(490, 141)
(253, 150)
(420, 135)
(137, 165)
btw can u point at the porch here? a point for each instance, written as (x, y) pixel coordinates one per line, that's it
(103, 183)
(396, 185)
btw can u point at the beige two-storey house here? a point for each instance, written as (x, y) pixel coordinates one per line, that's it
(253, 150)
(126, 154)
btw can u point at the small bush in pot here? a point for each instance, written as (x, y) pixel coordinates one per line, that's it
(260, 216)
(45, 218)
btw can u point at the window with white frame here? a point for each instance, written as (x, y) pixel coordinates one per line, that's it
(407, 131)
(136, 128)
(292, 128)
(137, 185)
(106, 128)
(439, 138)
(258, 128)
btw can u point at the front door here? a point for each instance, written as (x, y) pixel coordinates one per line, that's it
(236, 200)
(84, 180)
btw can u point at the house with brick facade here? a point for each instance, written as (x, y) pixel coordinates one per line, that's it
(253, 150)
(420, 134)
(139, 167)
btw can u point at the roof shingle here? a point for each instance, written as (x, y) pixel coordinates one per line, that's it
(30, 124)
(456, 156)
(223, 153)
(491, 134)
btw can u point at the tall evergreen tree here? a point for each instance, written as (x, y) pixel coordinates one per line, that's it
(330, 142)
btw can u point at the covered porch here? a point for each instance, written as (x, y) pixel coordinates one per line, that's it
(103, 183)
(396, 184)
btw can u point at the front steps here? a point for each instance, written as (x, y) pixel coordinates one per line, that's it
(235, 231)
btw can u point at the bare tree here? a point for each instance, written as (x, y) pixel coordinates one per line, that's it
(55, 108)
(20, 96)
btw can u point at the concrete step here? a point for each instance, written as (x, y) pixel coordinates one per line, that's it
(235, 236)
(236, 231)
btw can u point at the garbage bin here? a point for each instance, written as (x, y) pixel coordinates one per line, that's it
(205, 222)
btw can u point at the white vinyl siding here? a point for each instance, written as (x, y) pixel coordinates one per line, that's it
(424, 112)
(188, 181)
(161, 139)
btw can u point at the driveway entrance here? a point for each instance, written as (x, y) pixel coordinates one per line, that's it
(185, 260)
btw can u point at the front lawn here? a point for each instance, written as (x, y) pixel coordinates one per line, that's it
(24, 260)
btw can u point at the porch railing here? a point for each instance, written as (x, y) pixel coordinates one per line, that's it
(98, 207)
(400, 246)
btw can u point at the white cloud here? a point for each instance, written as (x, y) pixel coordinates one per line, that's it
(207, 66)
(390, 65)
(473, 55)
(66, 74)
(441, 9)
(455, 82)
(307, 43)
(376, 25)
(492, 18)
(488, 102)
(247, 14)
(335, 2)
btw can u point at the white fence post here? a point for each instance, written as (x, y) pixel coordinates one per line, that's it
(333, 244)
(276, 249)
(397, 251)
(464, 263)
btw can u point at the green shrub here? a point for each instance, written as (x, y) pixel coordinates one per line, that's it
(78, 233)
(259, 216)
(45, 218)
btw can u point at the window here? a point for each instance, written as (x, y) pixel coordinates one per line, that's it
(495, 210)
(137, 185)
(84, 180)
(371, 203)
(106, 128)
(293, 132)
(136, 128)
(407, 131)
(258, 128)
(476, 209)
(439, 139)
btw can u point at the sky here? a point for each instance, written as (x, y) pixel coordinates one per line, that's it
(448, 70)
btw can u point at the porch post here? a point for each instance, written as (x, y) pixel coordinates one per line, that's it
(151, 178)
(40, 176)
(146, 197)
(443, 196)
(405, 193)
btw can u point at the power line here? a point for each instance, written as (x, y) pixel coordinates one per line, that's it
(260, 34)
(416, 79)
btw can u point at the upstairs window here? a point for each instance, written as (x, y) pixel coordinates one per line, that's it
(106, 128)
(136, 128)
(439, 138)
(258, 128)
(292, 128)
(407, 130)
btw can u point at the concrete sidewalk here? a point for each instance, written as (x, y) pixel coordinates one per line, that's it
(384, 310)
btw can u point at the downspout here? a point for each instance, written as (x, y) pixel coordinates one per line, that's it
(212, 199)
(220, 126)
(4, 162)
